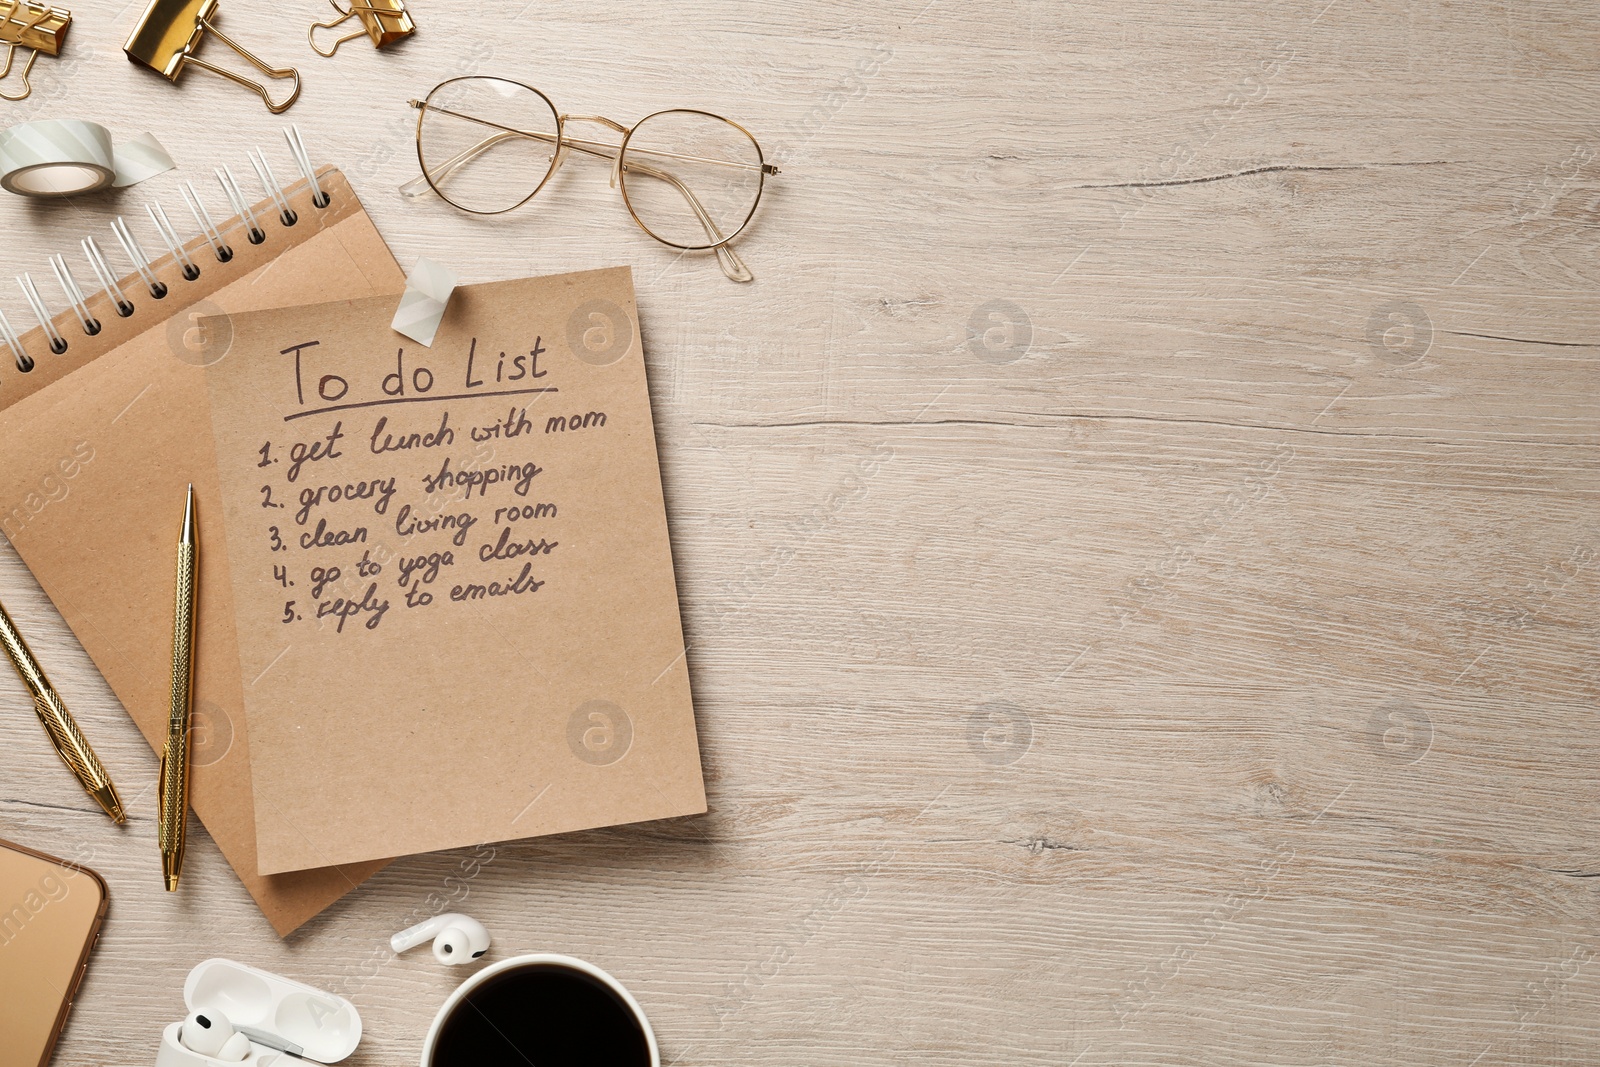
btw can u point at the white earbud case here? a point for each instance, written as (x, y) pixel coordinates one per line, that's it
(279, 1017)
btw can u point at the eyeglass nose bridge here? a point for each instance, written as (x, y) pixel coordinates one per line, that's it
(612, 124)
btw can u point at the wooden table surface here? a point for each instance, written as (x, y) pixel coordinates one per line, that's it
(1137, 536)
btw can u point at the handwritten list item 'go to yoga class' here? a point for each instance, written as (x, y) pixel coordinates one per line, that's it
(455, 601)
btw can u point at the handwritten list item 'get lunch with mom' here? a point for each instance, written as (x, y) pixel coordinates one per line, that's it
(455, 601)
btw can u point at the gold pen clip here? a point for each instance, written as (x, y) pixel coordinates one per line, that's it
(37, 27)
(385, 21)
(171, 30)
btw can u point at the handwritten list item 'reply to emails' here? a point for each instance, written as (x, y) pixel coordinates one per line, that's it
(456, 608)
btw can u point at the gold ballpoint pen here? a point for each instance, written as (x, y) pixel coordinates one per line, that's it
(175, 753)
(58, 722)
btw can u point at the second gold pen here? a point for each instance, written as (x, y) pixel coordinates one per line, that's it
(175, 753)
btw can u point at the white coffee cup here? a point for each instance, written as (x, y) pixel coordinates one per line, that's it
(516, 963)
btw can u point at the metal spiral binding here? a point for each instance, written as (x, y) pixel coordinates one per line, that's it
(202, 219)
(180, 255)
(302, 159)
(141, 262)
(108, 280)
(258, 160)
(69, 285)
(9, 336)
(241, 207)
(58, 344)
(174, 243)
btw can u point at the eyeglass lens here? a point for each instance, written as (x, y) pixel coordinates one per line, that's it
(486, 143)
(692, 179)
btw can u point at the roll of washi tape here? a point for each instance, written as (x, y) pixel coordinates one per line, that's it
(64, 157)
(56, 157)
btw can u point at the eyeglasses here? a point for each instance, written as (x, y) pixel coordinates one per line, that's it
(690, 179)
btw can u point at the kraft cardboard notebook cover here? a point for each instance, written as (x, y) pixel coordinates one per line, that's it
(96, 446)
(452, 574)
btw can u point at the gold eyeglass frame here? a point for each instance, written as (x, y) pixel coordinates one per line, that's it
(727, 259)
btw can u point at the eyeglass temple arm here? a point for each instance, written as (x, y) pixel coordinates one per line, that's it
(418, 186)
(583, 145)
(727, 258)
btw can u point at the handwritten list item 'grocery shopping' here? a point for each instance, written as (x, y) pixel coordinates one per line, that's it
(454, 592)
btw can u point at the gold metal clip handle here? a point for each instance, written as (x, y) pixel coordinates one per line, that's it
(271, 72)
(27, 69)
(311, 34)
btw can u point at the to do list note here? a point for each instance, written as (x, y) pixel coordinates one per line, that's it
(455, 600)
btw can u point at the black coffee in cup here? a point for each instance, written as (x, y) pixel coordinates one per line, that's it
(544, 1014)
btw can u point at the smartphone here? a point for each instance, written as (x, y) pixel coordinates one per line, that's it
(50, 914)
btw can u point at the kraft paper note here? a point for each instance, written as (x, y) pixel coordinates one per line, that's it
(452, 578)
(96, 447)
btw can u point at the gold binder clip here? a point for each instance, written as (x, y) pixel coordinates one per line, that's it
(167, 36)
(385, 21)
(37, 27)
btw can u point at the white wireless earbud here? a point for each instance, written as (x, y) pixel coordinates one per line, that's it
(211, 1034)
(457, 938)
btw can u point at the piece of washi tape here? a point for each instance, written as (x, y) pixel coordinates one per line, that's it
(428, 289)
(138, 159)
(64, 157)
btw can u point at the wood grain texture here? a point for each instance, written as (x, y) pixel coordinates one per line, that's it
(1137, 536)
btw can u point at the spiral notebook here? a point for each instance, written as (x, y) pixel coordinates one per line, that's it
(105, 420)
